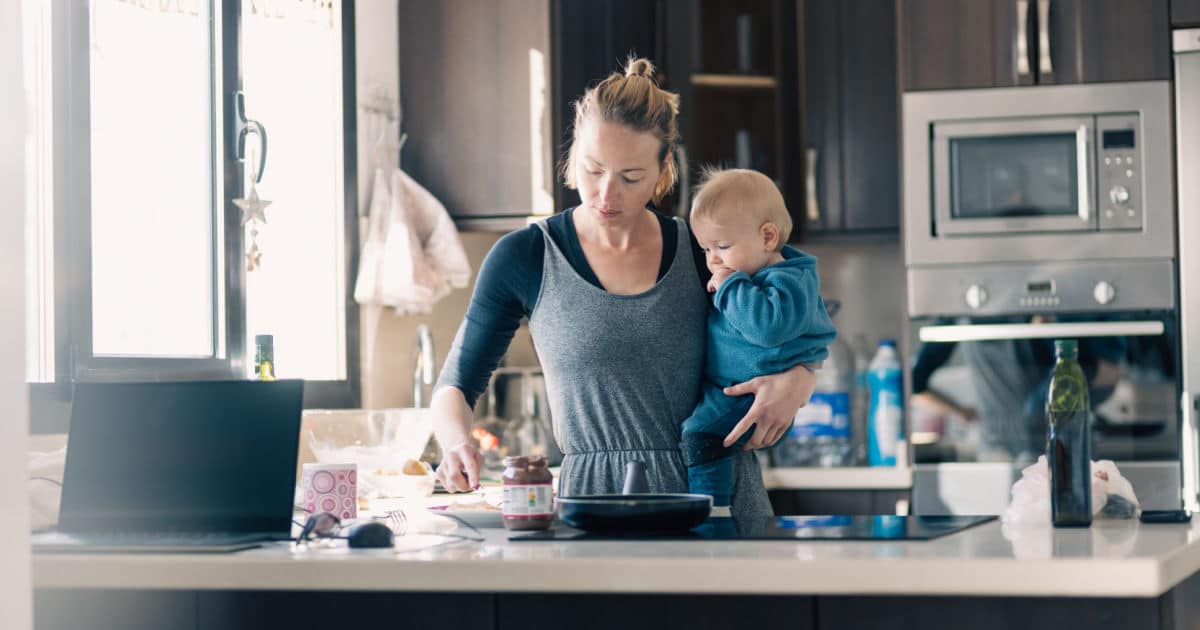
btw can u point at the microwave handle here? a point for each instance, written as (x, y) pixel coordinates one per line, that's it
(1045, 59)
(1022, 40)
(1083, 162)
(1005, 332)
(812, 200)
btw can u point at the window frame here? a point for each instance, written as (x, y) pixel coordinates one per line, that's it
(70, 45)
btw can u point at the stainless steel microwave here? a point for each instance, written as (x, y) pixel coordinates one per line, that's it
(1071, 172)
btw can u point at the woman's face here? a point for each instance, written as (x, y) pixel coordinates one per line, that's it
(616, 169)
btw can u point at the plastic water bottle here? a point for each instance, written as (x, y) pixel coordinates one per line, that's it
(821, 434)
(884, 425)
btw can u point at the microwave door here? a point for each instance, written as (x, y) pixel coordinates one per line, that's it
(1014, 176)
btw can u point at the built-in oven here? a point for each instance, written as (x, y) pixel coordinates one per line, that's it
(1038, 173)
(981, 342)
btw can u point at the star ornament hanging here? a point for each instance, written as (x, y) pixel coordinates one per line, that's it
(253, 257)
(252, 207)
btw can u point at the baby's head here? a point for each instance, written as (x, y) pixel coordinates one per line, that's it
(739, 218)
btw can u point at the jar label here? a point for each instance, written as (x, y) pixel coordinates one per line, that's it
(528, 501)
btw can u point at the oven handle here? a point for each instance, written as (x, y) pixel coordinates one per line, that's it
(1022, 44)
(998, 332)
(1082, 160)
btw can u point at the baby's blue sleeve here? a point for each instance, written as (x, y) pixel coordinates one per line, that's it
(772, 311)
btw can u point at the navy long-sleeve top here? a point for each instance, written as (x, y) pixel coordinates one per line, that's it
(507, 289)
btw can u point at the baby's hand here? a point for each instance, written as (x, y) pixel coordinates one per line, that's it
(718, 277)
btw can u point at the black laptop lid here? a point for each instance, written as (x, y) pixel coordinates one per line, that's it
(216, 456)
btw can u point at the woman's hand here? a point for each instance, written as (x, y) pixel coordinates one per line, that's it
(459, 470)
(776, 399)
(461, 461)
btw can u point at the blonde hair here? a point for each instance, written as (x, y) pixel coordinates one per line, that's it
(635, 101)
(737, 193)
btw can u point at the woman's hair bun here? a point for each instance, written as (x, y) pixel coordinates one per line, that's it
(639, 67)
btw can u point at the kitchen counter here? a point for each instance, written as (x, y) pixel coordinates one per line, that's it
(1116, 559)
(1113, 575)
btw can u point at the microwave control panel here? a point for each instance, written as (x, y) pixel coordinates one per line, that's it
(1119, 172)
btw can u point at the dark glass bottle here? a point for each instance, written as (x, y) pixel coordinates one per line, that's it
(264, 357)
(1069, 440)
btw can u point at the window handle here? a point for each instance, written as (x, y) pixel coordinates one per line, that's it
(243, 127)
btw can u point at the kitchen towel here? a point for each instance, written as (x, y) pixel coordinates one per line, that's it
(412, 255)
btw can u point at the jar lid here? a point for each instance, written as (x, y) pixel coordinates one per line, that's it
(516, 461)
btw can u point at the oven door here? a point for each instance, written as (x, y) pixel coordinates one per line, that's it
(1014, 176)
(979, 385)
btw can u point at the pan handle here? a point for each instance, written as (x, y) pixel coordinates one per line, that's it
(635, 478)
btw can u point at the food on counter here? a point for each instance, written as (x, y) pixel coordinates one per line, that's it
(528, 493)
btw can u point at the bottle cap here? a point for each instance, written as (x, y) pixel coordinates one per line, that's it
(264, 340)
(1065, 347)
(887, 342)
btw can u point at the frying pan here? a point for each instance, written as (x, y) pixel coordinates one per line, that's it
(635, 510)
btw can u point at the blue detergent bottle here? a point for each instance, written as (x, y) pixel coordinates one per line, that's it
(885, 423)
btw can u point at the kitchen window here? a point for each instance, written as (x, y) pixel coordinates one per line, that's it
(140, 265)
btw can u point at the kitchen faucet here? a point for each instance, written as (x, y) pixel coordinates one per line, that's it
(423, 364)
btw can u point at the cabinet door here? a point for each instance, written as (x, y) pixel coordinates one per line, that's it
(870, 119)
(1093, 41)
(1185, 13)
(952, 44)
(590, 39)
(474, 83)
(822, 201)
(850, 117)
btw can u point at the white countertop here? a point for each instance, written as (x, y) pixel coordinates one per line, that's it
(1111, 559)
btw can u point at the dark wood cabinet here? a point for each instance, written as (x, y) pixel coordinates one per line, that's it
(850, 117)
(474, 85)
(590, 39)
(948, 44)
(735, 66)
(1185, 13)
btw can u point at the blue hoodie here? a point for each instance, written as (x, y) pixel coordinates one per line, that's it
(767, 322)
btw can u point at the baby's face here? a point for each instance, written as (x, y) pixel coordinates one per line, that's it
(732, 244)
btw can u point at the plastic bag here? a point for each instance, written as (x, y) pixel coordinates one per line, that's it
(1112, 494)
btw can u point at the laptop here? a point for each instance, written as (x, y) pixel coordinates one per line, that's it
(178, 467)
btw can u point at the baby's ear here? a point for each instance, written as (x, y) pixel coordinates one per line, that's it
(770, 236)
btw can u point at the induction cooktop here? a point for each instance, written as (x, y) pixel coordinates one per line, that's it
(835, 527)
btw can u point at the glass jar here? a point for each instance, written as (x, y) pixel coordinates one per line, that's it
(528, 493)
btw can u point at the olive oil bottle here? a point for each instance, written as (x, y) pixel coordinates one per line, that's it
(1069, 440)
(264, 357)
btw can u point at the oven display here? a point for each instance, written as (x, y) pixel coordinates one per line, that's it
(1118, 139)
(1040, 287)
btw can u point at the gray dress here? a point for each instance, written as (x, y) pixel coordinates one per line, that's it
(623, 372)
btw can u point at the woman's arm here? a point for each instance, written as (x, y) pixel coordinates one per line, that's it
(508, 283)
(461, 460)
(776, 399)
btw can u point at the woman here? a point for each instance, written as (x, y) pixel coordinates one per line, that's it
(615, 297)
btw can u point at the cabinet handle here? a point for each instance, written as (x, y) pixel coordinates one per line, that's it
(1045, 61)
(1083, 159)
(685, 182)
(1188, 451)
(1022, 43)
(813, 205)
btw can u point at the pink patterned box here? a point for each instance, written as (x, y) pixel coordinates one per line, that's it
(331, 488)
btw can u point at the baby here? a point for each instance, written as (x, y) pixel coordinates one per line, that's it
(767, 314)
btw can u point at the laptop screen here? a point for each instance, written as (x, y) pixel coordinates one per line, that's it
(217, 456)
